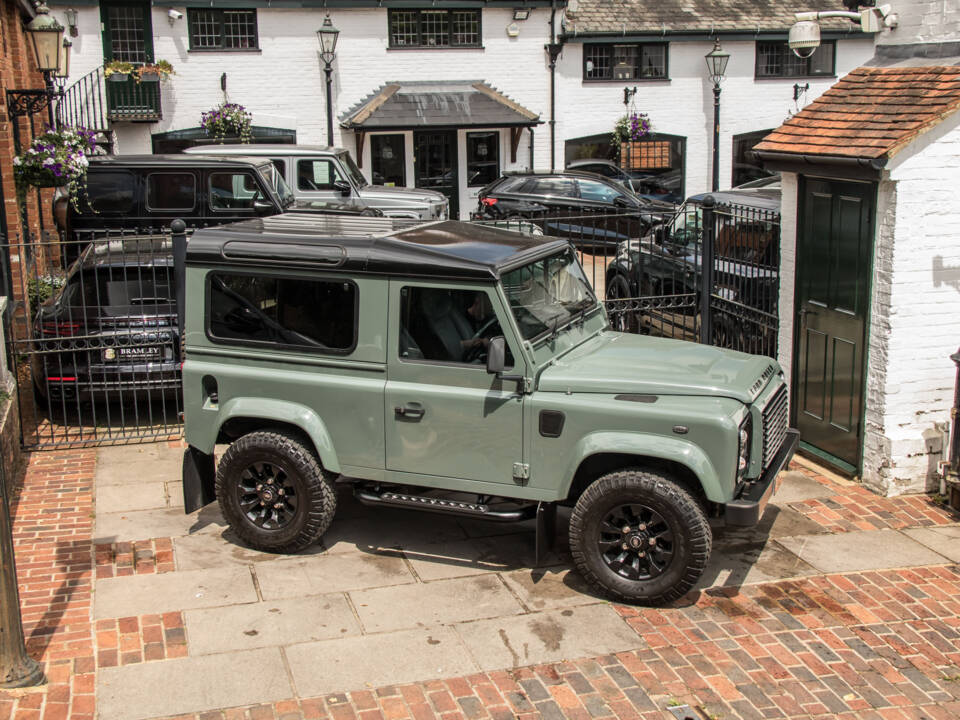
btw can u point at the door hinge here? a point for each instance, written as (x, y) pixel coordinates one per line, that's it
(527, 385)
(521, 471)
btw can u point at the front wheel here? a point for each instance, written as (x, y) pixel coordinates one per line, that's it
(273, 492)
(622, 317)
(639, 537)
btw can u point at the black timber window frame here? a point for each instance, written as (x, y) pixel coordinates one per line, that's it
(619, 62)
(414, 28)
(774, 59)
(223, 30)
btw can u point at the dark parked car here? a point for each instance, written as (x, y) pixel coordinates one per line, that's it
(665, 265)
(592, 211)
(664, 186)
(112, 327)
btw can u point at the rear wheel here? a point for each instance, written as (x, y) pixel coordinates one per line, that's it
(639, 537)
(273, 492)
(622, 317)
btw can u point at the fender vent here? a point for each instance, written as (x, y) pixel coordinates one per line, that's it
(551, 423)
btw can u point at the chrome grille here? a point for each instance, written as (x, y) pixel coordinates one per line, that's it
(774, 425)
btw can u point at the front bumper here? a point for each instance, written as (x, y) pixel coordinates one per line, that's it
(746, 510)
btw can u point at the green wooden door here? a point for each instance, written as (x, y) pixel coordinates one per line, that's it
(128, 36)
(834, 250)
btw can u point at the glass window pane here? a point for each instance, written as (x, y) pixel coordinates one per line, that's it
(403, 28)
(240, 29)
(445, 325)
(317, 314)
(561, 187)
(389, 163)
(233, 191)
(654, 61)
(127, 38)
(597, 191)
(625, 62)
(317, 175)
(466, 27)
(171, 191)
(821, 62)
(204, 28)
(434, 27)
(110, 192)
(769, 60)
(483, 158)
(598, 62)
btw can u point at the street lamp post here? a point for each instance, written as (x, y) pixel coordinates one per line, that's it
(716, 66)
(328, 45)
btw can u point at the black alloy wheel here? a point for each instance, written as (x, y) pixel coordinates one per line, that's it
(622, 317)
(267, 496)
(637, 536)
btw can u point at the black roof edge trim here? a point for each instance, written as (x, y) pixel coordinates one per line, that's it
(615, 36)
(347, 125)
(798, 162)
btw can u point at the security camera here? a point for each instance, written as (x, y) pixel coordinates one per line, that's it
(174, 14)
(804, 38)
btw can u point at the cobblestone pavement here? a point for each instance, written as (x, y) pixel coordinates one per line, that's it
(871, 643)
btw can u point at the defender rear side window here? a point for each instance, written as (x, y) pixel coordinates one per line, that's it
(171, 191)
(233, 191)
(110, 192)
(293, 312)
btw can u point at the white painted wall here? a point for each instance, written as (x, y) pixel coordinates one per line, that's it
(683, 105)
(923, 21)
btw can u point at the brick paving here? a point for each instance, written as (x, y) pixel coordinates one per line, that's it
(881, 644)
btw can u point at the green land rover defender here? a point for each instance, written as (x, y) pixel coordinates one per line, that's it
(462, 369)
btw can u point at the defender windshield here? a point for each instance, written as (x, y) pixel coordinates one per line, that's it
(548, 294)
(275, 180)
(353, 171)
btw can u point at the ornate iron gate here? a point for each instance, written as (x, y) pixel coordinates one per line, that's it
(95, 347)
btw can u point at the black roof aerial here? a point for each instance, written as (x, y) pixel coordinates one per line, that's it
(383, 246)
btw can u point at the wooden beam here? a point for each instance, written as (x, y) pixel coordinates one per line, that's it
(367, 110)
(359, 136)
(515, 133)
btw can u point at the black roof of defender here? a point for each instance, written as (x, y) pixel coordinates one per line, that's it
(382, 246)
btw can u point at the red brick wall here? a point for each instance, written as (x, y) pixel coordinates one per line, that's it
(17, 71)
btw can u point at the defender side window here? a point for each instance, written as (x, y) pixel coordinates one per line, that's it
(233, 191)
(110, 192)
(317, 175)
(316, 314)
(447, 325)
(171, 191)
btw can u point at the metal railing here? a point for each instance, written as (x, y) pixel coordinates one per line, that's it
(128, 99)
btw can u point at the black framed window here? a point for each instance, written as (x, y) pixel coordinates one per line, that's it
(171, 191)
(222, 29)
(317, 175)
(746, 169)
(434, 28)
(636, 61)
(483, 158)
(233, 191)
(388, 160)
(776, 60)
(285, 311)
(110, 192)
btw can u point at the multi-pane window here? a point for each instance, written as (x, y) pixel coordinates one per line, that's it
(647, 61)
(775, 59)
(434, 28)
(222, 29)
(127, 33)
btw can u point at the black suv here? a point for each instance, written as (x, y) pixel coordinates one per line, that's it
(663, 186)
(112, 327)
(592, 211)
(147, 192)
(664, 267)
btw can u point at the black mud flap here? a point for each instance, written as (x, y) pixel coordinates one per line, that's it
(546, 530)
(199, 473)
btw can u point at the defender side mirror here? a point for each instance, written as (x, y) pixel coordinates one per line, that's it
(343, 186)
(497, 360)
(262, 207)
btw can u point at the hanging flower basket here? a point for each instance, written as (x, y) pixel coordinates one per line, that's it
(630, 127)
(56, 158)
(227, 119)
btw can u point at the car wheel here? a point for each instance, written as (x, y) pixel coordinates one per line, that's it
(273, 492)
(622, 317)
(639, 537)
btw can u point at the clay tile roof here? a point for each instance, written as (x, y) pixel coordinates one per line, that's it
(871, 113)
(672, 16)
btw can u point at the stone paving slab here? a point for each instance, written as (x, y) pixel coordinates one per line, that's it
(390, 528)
(548, 636)
(437, 603)
(472, 557)
(795, 486)
(550, 588)
(943, 540)
(742, 563)
(321, 574)
(216, 546)
(373, 660)
(133, 496)
(140, 594)
(269, 624)
(136, 692)
(861, 550)
(144, 524)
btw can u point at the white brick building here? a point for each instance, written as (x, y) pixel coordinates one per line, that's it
(871, 257)
(267, 58)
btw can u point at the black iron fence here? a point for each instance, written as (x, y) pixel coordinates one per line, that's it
(94, 346)
(94, 341)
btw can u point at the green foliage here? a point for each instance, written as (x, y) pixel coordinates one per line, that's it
(41, 288)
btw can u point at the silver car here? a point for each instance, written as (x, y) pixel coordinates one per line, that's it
(319, 172)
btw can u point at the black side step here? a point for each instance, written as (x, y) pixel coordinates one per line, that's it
(443, 505)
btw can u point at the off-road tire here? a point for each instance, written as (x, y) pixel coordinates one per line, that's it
(624, 319)
(314, 488)
(691, 535)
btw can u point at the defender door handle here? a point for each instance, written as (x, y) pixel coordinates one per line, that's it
(413, 411)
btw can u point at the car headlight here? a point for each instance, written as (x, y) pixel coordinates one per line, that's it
(743, 448)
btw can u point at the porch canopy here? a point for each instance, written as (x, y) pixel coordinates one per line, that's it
(437, 104)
